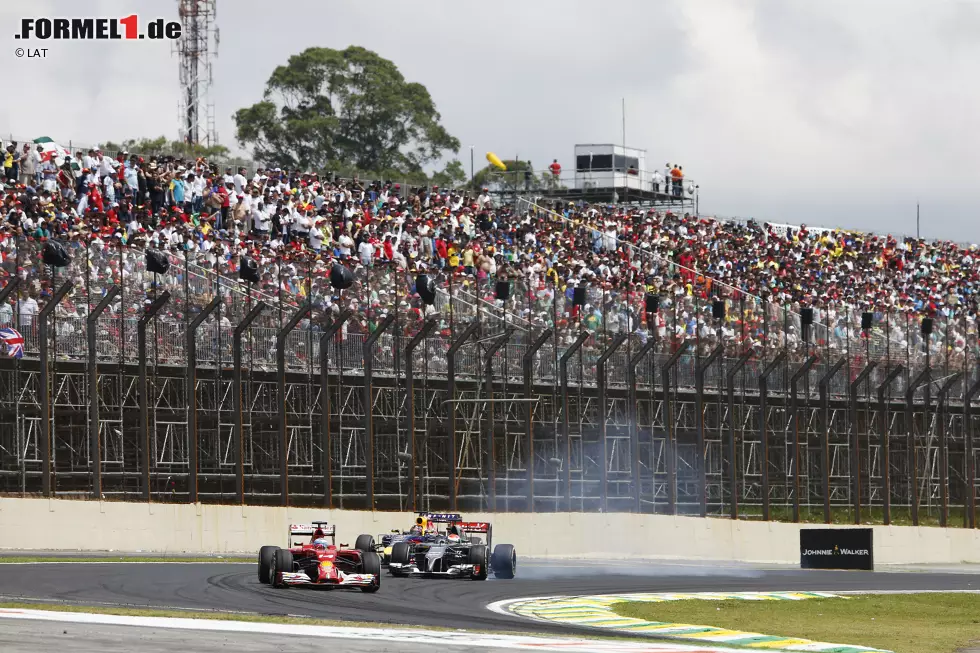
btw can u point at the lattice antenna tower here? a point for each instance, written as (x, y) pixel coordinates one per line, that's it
(196, 50)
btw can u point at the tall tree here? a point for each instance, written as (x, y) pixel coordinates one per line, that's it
(343, 108)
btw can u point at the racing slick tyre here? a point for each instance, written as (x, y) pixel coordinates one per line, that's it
(282, 561)
(478, 558)
(364, 543)
(265, 563)
(504, 561)
(371, 564)
(400, 552)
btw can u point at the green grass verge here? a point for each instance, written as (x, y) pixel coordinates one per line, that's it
(12, 559)
(904, 623)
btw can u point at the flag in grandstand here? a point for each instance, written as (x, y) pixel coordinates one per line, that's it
(51, 151)
(14, 342)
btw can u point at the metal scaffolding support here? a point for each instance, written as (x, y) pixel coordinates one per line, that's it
(825, 459)
(410, 350)
(369, 345)
(238, 438)
(672, 436)
(95, 448)
(634, 417)
(699, 456)
(46, 414)
(326, 444)
(528, 370)
(145, 441)
(804, 369)
(600, 367)
(732, 444)
(764, 432)
(923, 378)
(856, 440)
(281, 338)
(491, 462)
(190, 381)
(941, 399)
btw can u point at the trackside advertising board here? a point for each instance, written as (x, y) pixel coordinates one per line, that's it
(836, 548)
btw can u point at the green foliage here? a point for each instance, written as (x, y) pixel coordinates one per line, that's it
(350, 106)
(161, 145)
(452, 176)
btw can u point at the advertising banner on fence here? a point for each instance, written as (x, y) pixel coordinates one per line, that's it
(836, 548)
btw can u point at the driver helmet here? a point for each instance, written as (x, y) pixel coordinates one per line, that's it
(416, 530)
(320, 542)
(453, 536)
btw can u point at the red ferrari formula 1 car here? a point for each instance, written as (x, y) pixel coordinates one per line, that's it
(320, 562)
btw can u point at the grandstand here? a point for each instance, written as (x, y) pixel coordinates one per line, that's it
(595, 357)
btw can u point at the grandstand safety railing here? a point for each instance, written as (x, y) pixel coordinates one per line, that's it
(535, 304)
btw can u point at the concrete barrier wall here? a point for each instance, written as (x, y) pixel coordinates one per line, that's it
(167, 528)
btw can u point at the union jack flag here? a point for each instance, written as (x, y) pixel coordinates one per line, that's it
(14, 342)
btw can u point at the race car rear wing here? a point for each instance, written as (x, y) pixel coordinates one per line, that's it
(442, 517)
(477, 527)
(308, 530)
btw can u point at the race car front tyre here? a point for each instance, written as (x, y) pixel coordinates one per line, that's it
(265, 563)
(504, 561)
(400, 553)
(364, 543)
(282, 562)
(478, 558)
(371, 564)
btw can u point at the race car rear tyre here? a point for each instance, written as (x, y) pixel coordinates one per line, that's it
(504, 561)
(282, 562)
(371, 564)
(478, 558)
(400, 553)
(265, 563)
(364, 543)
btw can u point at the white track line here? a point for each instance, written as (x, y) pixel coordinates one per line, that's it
(409, 636)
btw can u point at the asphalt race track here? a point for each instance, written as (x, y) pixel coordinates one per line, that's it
(426, 602)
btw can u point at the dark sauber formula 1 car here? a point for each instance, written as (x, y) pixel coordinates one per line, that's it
(452, 552)
(319, 562)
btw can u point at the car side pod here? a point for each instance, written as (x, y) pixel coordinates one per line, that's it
(503, 562)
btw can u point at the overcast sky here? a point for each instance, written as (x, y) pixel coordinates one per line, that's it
(831, 113)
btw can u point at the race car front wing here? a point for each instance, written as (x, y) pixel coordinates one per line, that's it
(344, 580)
(411, 569)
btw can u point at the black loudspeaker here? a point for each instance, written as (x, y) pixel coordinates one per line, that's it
(806, 316)
(157, 262)
(927, 326)
(503, 290)
(578, 296)
(867, 319)
(651, 302)
(341, 277)
(249, 270)
(426, 288)
(55, 254)
(718, 310)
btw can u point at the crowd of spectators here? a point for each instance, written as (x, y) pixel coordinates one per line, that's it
(297, 225)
